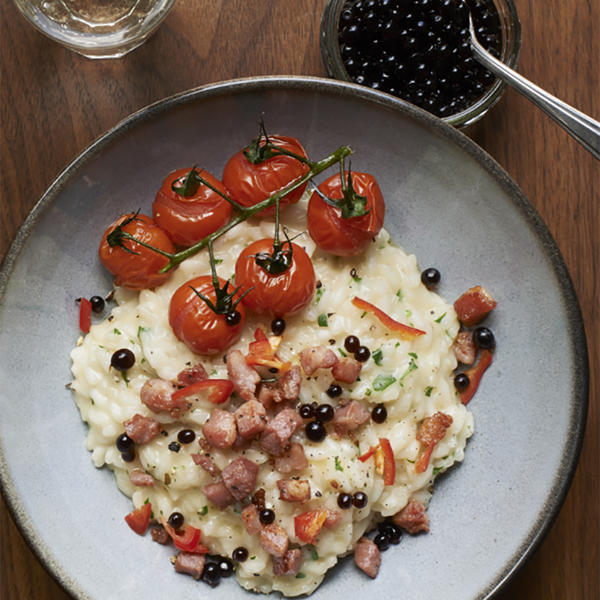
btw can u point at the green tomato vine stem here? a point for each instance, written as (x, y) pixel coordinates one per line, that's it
(315, 168)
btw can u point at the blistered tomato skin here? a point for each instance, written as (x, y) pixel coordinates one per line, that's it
(345, 236)
(279, 295)
(196, 325)
(189, 219)
(249, 184)
(139, 267)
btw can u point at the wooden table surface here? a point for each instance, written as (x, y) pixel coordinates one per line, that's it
(55, 103)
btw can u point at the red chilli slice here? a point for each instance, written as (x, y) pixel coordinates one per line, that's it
(308, 525)
(385, 463)
(186, 539)
(262, 352)
(218, 390)
(139, 519)
(85, 315)
(475, 373)
(431, 431)
(404, 331)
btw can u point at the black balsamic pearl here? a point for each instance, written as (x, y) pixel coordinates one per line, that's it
(174, 446)
(430, 277)
(461, 382)
(266, 516)
(128, 455)
(97, 303)
(186, 436)
(382, 541)
(307, 411)
(334, 390)
(240, 554)
(324, 413)
(392, 531)
(351, 343)
(176, 520)
(315, 431)
(226, 566)
(362, 354)
(379, 413)
(122, 359)
(484, 338)
(360, 499)
(124, 443)
(277, 326)
(211, 574)
(344, 500)
(233, 318)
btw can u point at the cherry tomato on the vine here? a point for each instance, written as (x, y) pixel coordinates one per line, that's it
(248, 183)
(189, 214)
(196, 324)
(351, 235)
(133, 265)
(280, 294)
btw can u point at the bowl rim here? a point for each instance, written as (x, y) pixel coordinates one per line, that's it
(563, 478)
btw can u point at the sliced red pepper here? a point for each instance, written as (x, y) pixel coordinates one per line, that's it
(472, 306)
(385, 464)
(85, 315)
(186, 539)
(262, 352)
(139, 519)
(308, 525)
(475, 373)
(404, 331)
(431, 431)
(217, 390)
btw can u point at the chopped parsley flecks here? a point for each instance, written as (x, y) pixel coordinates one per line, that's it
(319, 294)
(342, 352)
(428, 390)
(322, 320)
(338, 466)
(436, 470)
(408, 313)
(383, 381)
(218, 261)
(202, 512)
(412, 365)
(142, 330)
(313, 552)
(116, 331)
(300, 576)
(364, 314)
(400, 295)
(378, 356)
(439, 319)
(124, 376)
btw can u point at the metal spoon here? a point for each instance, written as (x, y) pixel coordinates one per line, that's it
(583, 128)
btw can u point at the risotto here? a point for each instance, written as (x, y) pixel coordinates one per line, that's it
(406, 381)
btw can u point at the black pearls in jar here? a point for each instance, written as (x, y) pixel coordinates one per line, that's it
(324, 413)
(430, 277)
(351, 343)
(211, 574)
(484, 338)
(233, 318)
(334, 390)
(419, 50)
(306, 411)
(126, 447)
(122, 359)
(226, 566)
(315, 431)
(362, 354)
(382, 541)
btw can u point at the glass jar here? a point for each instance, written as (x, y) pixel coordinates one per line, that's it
(510, 28)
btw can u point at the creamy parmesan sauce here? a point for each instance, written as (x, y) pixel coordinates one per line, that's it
(414, 379)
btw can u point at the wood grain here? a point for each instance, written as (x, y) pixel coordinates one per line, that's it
(55, 103)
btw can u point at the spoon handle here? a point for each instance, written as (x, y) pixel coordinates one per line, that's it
(582, 127)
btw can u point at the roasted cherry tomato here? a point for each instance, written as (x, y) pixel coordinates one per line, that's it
(139, 518)
(248, 183)
(196, 324)
(189, 210)
(280, 294)
(133, 265)
(345, 236)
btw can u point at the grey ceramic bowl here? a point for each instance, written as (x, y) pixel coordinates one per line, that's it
(447, 201)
